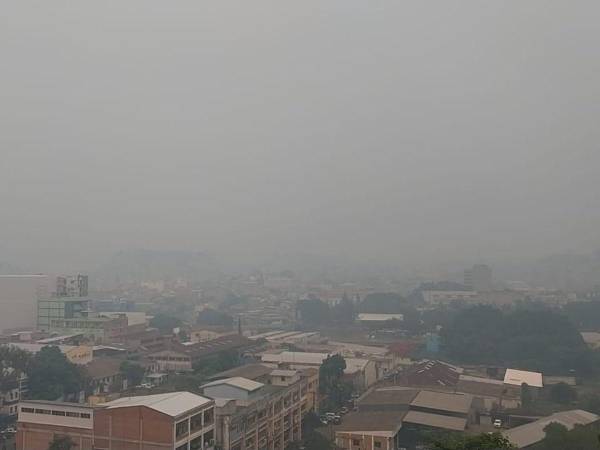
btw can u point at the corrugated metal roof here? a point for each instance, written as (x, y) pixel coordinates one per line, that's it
(283, 373)
(296, 357)
(239, 382)
(172, 404)
(435, 420)
(379, 317)
(443, 401)
(518, 377)
(533, 432)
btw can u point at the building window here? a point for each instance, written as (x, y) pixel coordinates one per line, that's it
(182, 447)
(196, 444)
(181, 428)
(209, 415)
(208, 436)
(196, 422)
(355, 442)
(43, 411)
(58, 413)
(377, 444)
(27, 410)
(85, 416)
(73, 414)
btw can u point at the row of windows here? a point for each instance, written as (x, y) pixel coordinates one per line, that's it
(54, 412)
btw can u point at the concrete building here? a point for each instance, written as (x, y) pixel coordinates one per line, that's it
(174, 421)
(526, 436)
(479, 278)
(253, 416)
(294, 360)
(73, 315)
(437, 298)
(182, 357)
(72, 286)
(18, 300)
(369, 431)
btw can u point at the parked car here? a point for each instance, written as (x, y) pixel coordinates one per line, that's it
(497, 423)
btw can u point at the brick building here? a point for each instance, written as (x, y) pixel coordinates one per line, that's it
(172, 421)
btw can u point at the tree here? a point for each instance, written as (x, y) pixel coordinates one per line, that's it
(164, 322)
(133, 372)
(212, 317)
(61, 442)
(558, 437)
(540, 340)
(344, 310)
(563, 393)
(52, 376)
(313, 312)
(494, 441)
(383, 303)
(331, 383)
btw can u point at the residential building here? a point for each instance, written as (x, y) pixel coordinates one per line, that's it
(105, 375)
(255, 372)
(437, 298)
(294, 360)
(515, 379)
(361, 372)
(174, 421)
(252, 415)
(40, 421)
(182, 357)
(13, 389)
(490, 393)
(526, 436)
(479, 278)
(19, 295)
(369, 431)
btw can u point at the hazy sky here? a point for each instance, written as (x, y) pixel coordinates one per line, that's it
(393, 130)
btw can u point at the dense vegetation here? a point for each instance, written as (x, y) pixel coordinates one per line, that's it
(541, 340)
(212, 317)
(579, 438)
(331, 384)
(584, 315)
(164, 322)
(486, 441)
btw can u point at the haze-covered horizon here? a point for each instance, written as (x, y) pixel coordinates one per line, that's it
(400, 133)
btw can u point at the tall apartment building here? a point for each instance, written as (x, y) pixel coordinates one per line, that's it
(172, 421)
(479, 278)
(18, 299)
(72, 286)
(252, 415)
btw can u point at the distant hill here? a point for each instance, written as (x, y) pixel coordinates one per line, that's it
(142, 265)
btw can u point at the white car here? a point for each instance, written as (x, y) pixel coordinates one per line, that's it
(497, 423)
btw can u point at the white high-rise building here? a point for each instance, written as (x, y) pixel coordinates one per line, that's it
(19, 295)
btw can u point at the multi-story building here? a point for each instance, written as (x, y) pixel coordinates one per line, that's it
(72, 286)
(12, 391)
(182, 357)
(252, 415)
(479, 278)
(40, 421)
(73, 315)
(172, 421)
(19, 295)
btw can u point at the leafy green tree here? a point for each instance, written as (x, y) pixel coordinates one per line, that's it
(383, 303)
(494, 441)
(133, 372)
(212, 317)
(563, 393)
(52, 376)
(313, 312)
(164, 322)
(558, 437)
(61, 442)
(541, 340)
(344, 311)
